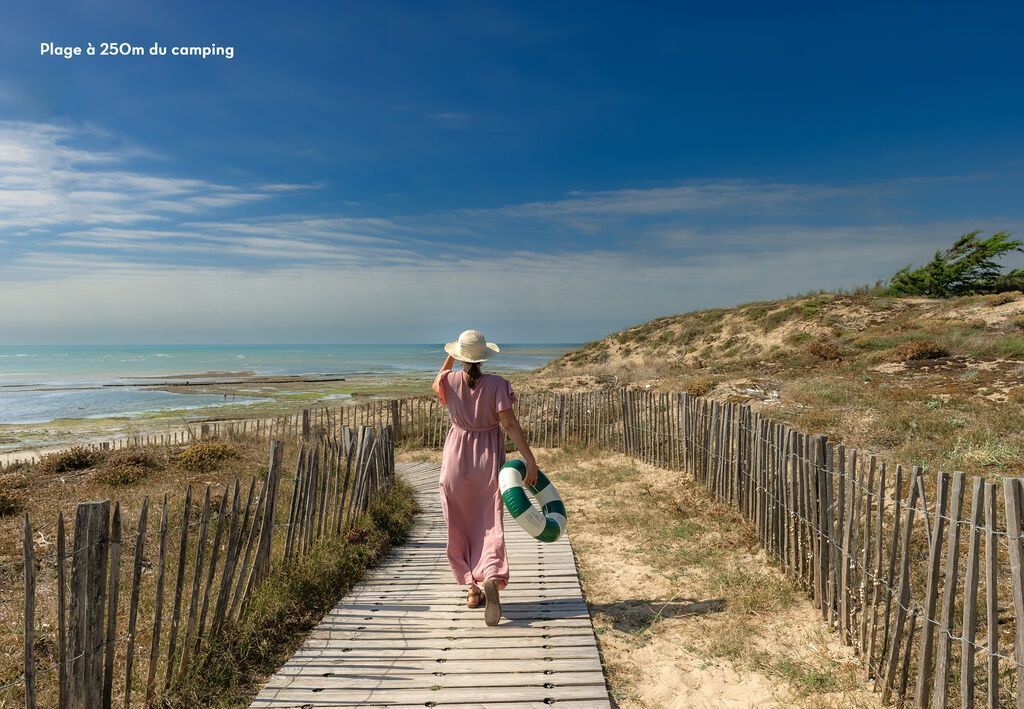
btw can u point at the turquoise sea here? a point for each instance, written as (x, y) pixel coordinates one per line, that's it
(43, 383)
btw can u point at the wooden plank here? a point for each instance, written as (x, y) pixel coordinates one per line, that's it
(293, 509)
(866, 557)
(230, 564)
(970, 611)
(1012, 494)
(922, 689)
(876, 582)
(905, 671)
(112, 597)
(261, 562)
(214, 554)
(179, 585)
(992, 595)
(28, 556)
(154, 647)
(197, 579)
(237, 599)
(849, 474)
(893, 552)
(133, 604)
(88, 588)
(945, 640)
(902, 598)
(410, 613)
(62, 605)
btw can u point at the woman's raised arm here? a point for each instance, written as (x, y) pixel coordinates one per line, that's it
(446, 367)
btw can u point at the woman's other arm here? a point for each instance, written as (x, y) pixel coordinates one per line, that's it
(511, 425)
(446, 367)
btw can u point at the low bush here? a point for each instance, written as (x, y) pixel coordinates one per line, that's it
(10, 504)
(918, 350)
(77, 458)
(206, 457)
(699, 386)
(128, 466)
(1003, 298)
(822, 351)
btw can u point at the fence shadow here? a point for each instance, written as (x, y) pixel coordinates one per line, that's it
(641, 613)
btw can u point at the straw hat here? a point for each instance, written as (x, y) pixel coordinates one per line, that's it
(471, 347)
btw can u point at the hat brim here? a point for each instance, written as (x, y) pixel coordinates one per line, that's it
(453, 349)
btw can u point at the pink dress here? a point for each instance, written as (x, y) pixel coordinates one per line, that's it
(473, 453)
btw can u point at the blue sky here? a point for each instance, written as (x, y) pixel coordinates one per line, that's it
(397, 172)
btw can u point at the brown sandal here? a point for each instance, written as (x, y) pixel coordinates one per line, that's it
(474, 597)
(492, 613)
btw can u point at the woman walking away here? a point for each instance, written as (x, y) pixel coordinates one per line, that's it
(480, 406)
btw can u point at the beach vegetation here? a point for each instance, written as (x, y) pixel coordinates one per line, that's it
(10, 503)
(918, 350)
(968, 267)
(128, 466)
(206, 456)
(67, 461)
(292, 600)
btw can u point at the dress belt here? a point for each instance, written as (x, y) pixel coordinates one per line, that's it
(476, 429)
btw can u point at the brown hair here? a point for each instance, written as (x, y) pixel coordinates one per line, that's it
(473, 373)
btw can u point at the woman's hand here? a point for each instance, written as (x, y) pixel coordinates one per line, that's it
(511, 425)
(531, 473)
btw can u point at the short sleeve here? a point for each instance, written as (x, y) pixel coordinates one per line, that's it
(504, 397)
(442, 387)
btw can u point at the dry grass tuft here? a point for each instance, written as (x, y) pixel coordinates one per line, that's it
(205, 457)
(128, 466)
(917, 350)
(699, 386)
(77, 458)
(823, 351)
(10, 503)
(1003, 298)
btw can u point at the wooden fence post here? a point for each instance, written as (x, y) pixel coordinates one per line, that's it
(113, 589)
(396, 420)
(305, 425)
(30, 614)
(945, 640)
(133, 605)
(261, 563)
(88, 590)
(62, 634)
(1013, 492)
(970, 617)
(922, 690)
(902, 598)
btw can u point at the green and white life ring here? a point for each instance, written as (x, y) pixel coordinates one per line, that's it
(546, 524)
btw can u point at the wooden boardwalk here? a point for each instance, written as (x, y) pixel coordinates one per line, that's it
(404, 638)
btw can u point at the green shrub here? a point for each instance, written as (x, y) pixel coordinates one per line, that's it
(966, 268)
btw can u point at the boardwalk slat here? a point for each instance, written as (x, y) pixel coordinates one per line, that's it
(410, 613)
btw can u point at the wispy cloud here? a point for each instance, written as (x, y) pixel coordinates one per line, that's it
(46, 181)
(86, 233)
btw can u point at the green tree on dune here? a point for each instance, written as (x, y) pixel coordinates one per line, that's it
(967, 268)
